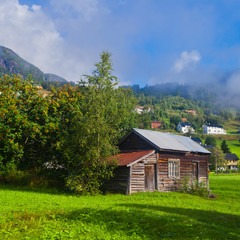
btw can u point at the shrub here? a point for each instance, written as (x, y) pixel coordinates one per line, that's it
(196, 188)
(78, 185)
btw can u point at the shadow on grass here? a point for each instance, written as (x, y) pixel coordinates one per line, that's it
(158, 222)
(34, 189)
(236, 144)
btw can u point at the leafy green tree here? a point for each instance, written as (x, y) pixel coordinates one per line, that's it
(174, 120)
(225, 147)
(107, 113)
(31, 126)
(216, 159)
(210, 140)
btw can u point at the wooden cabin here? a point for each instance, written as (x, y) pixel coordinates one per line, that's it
(157, 161)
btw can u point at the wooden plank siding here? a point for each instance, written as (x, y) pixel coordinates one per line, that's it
(138, 174)
(186, 164)
(132, 177)
(119, 182)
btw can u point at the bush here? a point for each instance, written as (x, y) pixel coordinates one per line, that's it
(40, 178)
(196, 188)
(78, 185)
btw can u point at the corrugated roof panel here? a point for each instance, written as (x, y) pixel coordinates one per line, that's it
(169, 141)
(129, 157)
(190, 144)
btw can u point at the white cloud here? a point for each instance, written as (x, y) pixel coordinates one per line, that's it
(233, 83)
(33, 35)
(84, 8)
(186, 59)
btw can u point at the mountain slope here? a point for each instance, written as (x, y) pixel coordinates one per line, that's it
(11, 63)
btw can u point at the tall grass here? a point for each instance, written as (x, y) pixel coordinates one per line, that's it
(25, 214)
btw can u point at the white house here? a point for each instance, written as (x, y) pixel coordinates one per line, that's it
(141, 109)
(185, 127)
(213, 129)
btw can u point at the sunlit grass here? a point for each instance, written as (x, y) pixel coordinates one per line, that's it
(36, 215)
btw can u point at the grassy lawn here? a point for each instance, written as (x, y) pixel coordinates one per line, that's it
(234, 147)
(37, 215)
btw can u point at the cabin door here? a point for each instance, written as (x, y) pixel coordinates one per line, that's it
(195, 171)
(150, 177)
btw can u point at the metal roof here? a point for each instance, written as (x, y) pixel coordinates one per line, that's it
(213, 125)
(231, 156)
(167, 141)
(184, 124)
(129, 157)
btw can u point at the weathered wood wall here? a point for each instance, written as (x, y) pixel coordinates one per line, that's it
(186, 164)
(119, 182)
(137, 174)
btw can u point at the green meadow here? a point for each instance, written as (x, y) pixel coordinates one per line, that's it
(29, 214)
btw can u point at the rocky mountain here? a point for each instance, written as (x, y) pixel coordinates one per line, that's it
(49, 77)
(11, 63)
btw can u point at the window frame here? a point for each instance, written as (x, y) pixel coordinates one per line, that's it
(174, 168)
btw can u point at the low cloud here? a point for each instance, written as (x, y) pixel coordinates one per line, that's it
(186, 60)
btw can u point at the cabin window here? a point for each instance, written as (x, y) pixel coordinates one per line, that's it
(173, 168)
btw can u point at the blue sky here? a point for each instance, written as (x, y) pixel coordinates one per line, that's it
(151, 41)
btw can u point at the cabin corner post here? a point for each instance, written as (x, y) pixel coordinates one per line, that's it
(157, 172)
(129, 180)
(207, 173)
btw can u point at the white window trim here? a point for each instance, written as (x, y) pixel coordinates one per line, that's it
(173, 168)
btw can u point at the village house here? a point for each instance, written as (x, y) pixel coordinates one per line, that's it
(185, 127)
(184, 120)
(193, 112)
(156, 124)
(213, 129)
(157, 161)
(141, 109)
(232, 161)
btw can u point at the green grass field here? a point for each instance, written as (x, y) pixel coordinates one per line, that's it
(37, 215)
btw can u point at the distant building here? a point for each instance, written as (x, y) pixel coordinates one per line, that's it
(38, 87)
(156, 124)
(213, 129)
(191, 111)
(232, 161)
(185, 127)
(184, 120)
(141, 109)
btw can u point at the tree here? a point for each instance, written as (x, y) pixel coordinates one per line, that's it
(210, 140)
(31, 126)
(225, 147)
(216, 159)
(174, 120)
(107, 113)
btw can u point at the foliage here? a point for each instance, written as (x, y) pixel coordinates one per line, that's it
(31, 126)
(210, 141)
(107, 113)
(72, 128)
(225, 147)
(216, 160)
(195, 188)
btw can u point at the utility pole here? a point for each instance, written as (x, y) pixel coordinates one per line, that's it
(216, 160)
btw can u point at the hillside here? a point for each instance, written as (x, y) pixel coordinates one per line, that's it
(11, 63)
